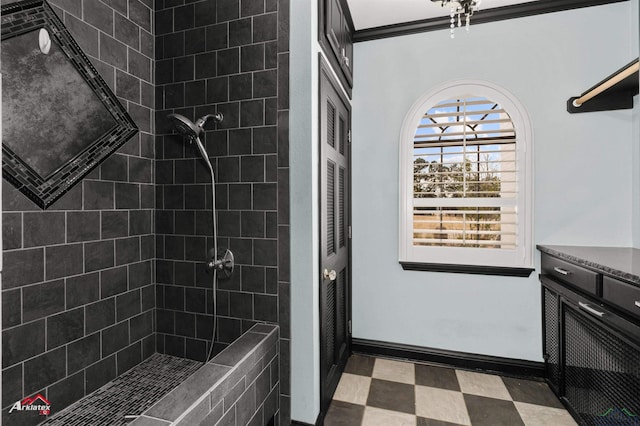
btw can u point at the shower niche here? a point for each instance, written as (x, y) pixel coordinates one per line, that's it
(59, 117)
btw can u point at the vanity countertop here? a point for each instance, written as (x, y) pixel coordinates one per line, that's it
(617, 262)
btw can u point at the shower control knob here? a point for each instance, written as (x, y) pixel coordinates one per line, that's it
(329, 274)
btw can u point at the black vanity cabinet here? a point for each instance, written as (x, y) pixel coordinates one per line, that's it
(591, 335)
(336, 38)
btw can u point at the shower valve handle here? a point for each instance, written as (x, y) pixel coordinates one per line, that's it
(223, 262)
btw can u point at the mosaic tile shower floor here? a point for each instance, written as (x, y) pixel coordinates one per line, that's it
(129, 394)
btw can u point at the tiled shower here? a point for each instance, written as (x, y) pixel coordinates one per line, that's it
(114, 271)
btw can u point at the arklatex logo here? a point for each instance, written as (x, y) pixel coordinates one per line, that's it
(38, 403)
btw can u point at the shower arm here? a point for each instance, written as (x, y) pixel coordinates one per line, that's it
(217, 117)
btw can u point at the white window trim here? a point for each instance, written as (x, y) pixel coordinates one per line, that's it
(521, 257)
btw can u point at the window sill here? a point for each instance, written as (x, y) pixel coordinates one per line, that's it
(467, 269)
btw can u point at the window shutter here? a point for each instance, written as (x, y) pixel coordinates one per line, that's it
(465, 172)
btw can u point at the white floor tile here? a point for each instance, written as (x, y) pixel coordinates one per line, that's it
(379, 417)
(353, 388)
(482, 384)
(538, 415)
(395, 371)
(441, 404)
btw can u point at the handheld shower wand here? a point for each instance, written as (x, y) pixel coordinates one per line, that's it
(218, 262)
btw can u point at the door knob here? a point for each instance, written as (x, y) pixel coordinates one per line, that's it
(329, 274)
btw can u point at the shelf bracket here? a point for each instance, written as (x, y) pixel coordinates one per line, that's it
(614, 92)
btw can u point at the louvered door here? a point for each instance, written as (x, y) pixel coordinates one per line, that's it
(335, 285)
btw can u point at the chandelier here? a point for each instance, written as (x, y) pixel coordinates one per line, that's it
(460, 8)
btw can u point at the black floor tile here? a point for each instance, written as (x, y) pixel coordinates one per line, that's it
(492, 412)
(360, 365)
(392, 396)
(531, 392)
(344, 414)
(437, 377)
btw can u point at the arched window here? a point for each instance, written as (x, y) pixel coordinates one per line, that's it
(465, 183)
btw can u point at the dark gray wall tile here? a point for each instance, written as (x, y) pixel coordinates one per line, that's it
(129, 357)
(22, 267)
(11, 308)
(127, 305)
(100, 315)
(42, 300)
(251, 7)
(83, 226)
(113, 282)
(195, 40)
(43, 228)
(83, 353)
(114, 224)
(240, 32)
(67, 391)
(82, 289)
(112, 51)
(228, 61)
(11, 385)
(205, 13)
(43, 370)
(65, 327)
(99, 15)
(127, 250)
(127, 87)
(127, 31)
(100, 373)
(84, 34)
(183, 17)
(140, 14)
(98, 255)
(115, 338)
(16, 348)
(140, 274)
(11, 231)
(63, 261)
(141, 326)
(98, 195)
(227, 10)
(265, 27)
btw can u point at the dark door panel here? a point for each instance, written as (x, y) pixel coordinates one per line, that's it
(335, 275)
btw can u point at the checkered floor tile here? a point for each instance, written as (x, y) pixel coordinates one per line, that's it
(382, 392)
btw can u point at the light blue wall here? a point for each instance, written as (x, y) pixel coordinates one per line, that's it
(303, 148)
(582, 171)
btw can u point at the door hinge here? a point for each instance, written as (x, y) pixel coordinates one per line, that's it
(349, 326)
(349, 136)
(349, 231)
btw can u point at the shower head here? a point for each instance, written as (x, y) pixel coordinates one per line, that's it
(187, 128)
(192, 131)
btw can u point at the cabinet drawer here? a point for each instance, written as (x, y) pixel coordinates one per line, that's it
(623, 295)
(577, 276)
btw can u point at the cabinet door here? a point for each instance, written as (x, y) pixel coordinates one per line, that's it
(337, 40)
(334, 26)
(347, 61)
(551, 337)
(601, 370)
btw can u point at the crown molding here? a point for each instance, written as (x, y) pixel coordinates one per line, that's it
(482, 17)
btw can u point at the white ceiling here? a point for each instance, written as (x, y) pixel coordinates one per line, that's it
(376, 13)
